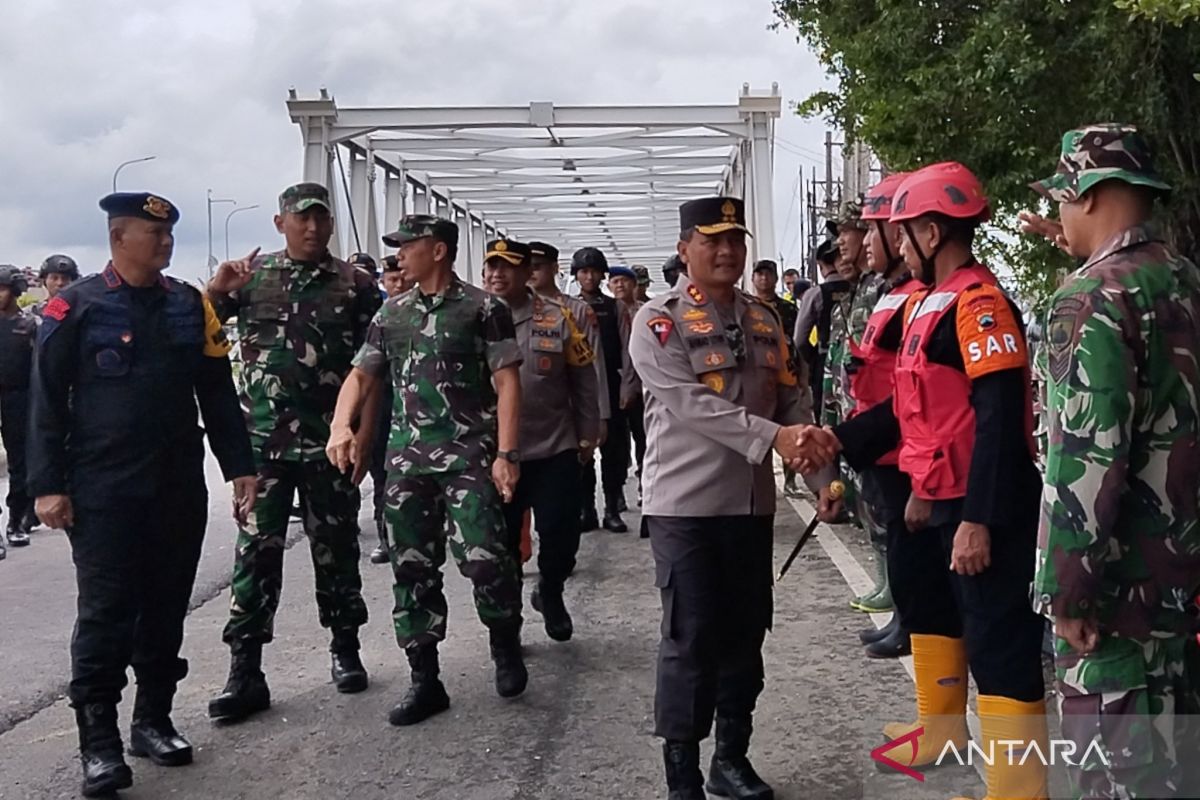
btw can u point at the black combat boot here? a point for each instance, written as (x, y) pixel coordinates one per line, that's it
(731, 774)
(620, 503)
(872, 635)
(427, 696)
(682, 763)
(589, 520)
(380, 554)
(246, 691)
(612, 515)
(548, 601)
(104, 767)
(18, 533)
(152, 735)
(511, 675)
(346, 668)
(32, 523)
(895, 645)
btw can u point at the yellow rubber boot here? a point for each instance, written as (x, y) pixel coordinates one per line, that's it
(940, 664)
(1002, 719)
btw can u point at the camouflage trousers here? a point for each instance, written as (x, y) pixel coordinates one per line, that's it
(1134, 705)
(329, 505)
(424, 514)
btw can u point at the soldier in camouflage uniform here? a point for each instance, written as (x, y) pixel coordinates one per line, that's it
(301, 313)
(451, 353)
(1119, 548)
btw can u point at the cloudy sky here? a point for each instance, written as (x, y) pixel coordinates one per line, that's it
(202, 86)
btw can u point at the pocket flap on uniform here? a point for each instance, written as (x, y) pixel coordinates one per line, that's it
(1106, 706)
(712, 357)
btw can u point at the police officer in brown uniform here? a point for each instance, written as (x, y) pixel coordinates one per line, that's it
(559, 417)
(721, 392)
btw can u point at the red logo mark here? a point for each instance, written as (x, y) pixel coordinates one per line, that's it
(878, 754)
(57, 308)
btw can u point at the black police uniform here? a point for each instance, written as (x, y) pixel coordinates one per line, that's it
(118, 376)
(16, 362)
(614, 453)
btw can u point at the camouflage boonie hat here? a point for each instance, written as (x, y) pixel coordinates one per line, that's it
(303, 196)
(419, 226)
(643, 275)
(849, 215)
(1098, 153)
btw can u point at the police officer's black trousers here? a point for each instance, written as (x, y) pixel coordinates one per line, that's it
(714, 575)
(991, 610)
(636, 417)
(135, 563)
(614, 463)
(549, 486)
(14, 422)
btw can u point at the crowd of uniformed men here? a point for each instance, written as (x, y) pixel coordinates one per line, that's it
(905, 370)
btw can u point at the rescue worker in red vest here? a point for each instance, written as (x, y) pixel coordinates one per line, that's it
(872, 362)
(962, 417)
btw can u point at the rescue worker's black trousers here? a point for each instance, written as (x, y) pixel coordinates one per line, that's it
(549, 486)
(991, 610)
(14, 422)
(714, 575)
(135, 564)
(614, 464)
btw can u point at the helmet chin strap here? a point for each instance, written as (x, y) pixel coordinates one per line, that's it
(928, 266)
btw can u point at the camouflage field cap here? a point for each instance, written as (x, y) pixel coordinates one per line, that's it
(303, 196)
(1096, 153)
(849, 215)
(643, 275)
(419, 226)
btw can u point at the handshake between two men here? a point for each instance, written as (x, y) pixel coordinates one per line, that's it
(809, 449)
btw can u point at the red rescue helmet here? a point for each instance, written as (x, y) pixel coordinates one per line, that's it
(877, 203)
(948, 188)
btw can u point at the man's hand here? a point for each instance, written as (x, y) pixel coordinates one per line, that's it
(233, 275)
(342, 449)
(505, 475)
(829, 506)
(806, 448)
(587, 453)
(917, 513)
(600, 440)
(1049, 229)
(972, 552)
(245, 492)
(364, 449)
(1082, 634)
(55, 511)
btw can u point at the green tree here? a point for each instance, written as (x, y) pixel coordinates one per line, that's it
(995, 83)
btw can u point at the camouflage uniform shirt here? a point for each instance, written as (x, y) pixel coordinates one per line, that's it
(1119, 540)
(866, 295)
(441, 351)
(299, 325)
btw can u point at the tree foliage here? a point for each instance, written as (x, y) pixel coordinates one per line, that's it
(995, 83)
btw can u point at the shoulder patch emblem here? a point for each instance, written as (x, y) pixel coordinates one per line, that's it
(1060, 336)
(56, 308)
(661, 327)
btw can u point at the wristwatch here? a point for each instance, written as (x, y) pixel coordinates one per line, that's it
(511, 456)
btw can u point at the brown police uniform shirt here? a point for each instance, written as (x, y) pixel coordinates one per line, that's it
(716, 394)
(558, 380)
(585, 317)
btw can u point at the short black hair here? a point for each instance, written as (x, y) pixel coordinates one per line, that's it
(791, 271)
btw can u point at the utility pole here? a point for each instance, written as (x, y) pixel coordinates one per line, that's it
(829, 170)
(212, 261)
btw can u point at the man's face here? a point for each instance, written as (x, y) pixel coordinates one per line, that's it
(850, 246)
(307, 233)
(1074, 220)
(622, 287)
(789, 281)
(876, 259)
(148, 244)
(715, 260)
(418, 259)
(394, 282)
(7, 298)
(55, 282)
(764, 282)
(926, 235)
(589, 279)
(507, 280)
(543, 275)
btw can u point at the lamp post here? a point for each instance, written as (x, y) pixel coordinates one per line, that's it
(212, 262)
(125, 164)
(228, 217)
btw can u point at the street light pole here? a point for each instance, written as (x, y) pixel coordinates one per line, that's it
(125, 164)
(228, 217)
(212, 262)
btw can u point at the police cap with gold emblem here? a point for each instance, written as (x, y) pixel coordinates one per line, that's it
(142, 205)
(515, 253)
(713, 215)
(544, 251)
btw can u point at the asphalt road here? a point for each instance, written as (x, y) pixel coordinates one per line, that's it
(582, 730)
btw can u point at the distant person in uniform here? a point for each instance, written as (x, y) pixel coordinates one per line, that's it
(672, 269)
(721, 394)
(17, 330)
(129, 362)
(57, 273)
(559, 415)
(791, 276)
(643, 282)
(622, 282)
